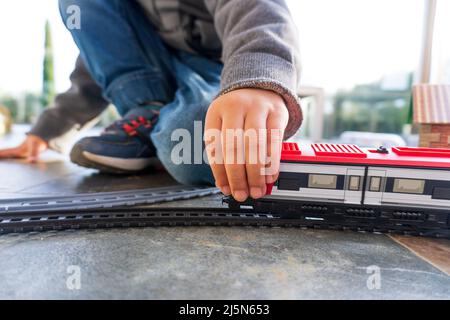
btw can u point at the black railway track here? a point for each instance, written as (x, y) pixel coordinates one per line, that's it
(27, 222)
(120, 210)
(105, 199)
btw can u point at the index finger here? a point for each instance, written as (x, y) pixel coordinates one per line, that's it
(213, 147)
(275, 134)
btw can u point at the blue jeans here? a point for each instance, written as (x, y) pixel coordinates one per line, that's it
(128, 59)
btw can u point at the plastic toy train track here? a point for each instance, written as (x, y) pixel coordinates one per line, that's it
(73, 219)
(104, 199)
(121, 209)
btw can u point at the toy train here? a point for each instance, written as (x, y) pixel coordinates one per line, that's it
(400, 188)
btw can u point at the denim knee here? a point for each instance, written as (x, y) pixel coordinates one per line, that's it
(178, 138)
(189, 174)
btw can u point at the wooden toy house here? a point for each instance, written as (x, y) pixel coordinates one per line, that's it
(431, 110)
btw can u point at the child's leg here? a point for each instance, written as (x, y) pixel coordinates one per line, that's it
(126, 56)
(198, 81)
(123, 52)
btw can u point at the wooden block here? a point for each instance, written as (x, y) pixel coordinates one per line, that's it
(436, 128)
(440, 128)
(430, 137)
(434, 251)
(441, 144)
(438, 145)
(425, 128)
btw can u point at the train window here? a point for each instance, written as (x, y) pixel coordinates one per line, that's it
(322, 181)
(409, 186)
(441, 193)
(375, 184)
(288, 184)
(354, 183)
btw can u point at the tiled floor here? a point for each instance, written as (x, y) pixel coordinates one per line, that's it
(169, 263)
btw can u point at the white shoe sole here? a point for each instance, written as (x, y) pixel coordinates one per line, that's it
(121, 163)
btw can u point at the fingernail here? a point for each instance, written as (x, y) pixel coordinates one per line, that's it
(256, 193)
(240, 195)
(226, 190)
(271, 179)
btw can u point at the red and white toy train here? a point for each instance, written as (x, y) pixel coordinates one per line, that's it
(400, 184)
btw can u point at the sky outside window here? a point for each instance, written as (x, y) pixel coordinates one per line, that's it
(350, 42)
(440, 68)
(344, 42)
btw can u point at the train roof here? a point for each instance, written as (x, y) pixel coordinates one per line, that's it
(352, 154)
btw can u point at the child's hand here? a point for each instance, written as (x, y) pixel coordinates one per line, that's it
(29, 149)
(247, 109)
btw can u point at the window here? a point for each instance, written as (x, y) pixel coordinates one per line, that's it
(354, 183)
(375, 184)
(409, 186)
(288, 184)
(441, 193)
(366, 82)
(322, 181)
(440, 63)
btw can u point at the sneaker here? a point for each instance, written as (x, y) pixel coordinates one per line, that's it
(124, 147)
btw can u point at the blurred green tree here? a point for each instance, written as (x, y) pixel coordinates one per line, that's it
(12, 104)
(32, 107)
(48, 89)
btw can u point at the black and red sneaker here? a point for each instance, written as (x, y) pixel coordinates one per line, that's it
(124, 147)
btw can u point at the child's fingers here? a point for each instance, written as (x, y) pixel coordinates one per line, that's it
(219, 172)
(276, 123)
(10, 153)
(234, 156)
(213, 143)
(255, 151)
(34, 150)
